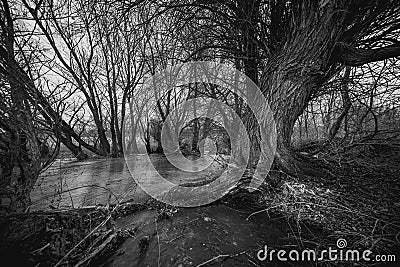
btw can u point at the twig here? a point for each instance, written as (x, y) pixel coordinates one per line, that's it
(175, 238)
(219, 159)
(220, 256)
(249, 259)
(158, 241)
(40, 249)
(97, 250)
(88, 235)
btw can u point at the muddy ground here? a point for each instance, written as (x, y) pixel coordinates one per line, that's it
(359, 203)
(219, 234)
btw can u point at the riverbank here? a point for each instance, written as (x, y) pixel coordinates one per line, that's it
(357, 204)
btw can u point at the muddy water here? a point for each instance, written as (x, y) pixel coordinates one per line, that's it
(71, 183)
(215, 235)
(219, 234)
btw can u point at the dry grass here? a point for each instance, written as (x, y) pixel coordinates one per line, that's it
(360, 203)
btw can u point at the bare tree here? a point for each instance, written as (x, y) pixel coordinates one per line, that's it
(24, 149)
(300, 46)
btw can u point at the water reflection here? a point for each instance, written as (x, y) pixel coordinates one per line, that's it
(108, 180)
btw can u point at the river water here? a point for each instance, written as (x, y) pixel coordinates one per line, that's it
(69, 183)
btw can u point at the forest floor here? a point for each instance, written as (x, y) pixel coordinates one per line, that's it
(358, 203)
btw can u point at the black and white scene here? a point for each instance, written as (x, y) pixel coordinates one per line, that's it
(173, 133)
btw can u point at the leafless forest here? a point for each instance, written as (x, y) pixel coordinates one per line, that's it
(72, 76)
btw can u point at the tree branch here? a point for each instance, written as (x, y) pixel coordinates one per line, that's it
(351, 56)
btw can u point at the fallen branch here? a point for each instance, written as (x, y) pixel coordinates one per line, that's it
(91, 232)
(96, 251)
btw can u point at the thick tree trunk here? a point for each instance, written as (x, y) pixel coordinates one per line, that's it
(21, 164)
(288, 104)
(296, 70)
(248, 15)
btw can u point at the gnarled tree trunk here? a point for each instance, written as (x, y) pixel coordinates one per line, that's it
(21, 162)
